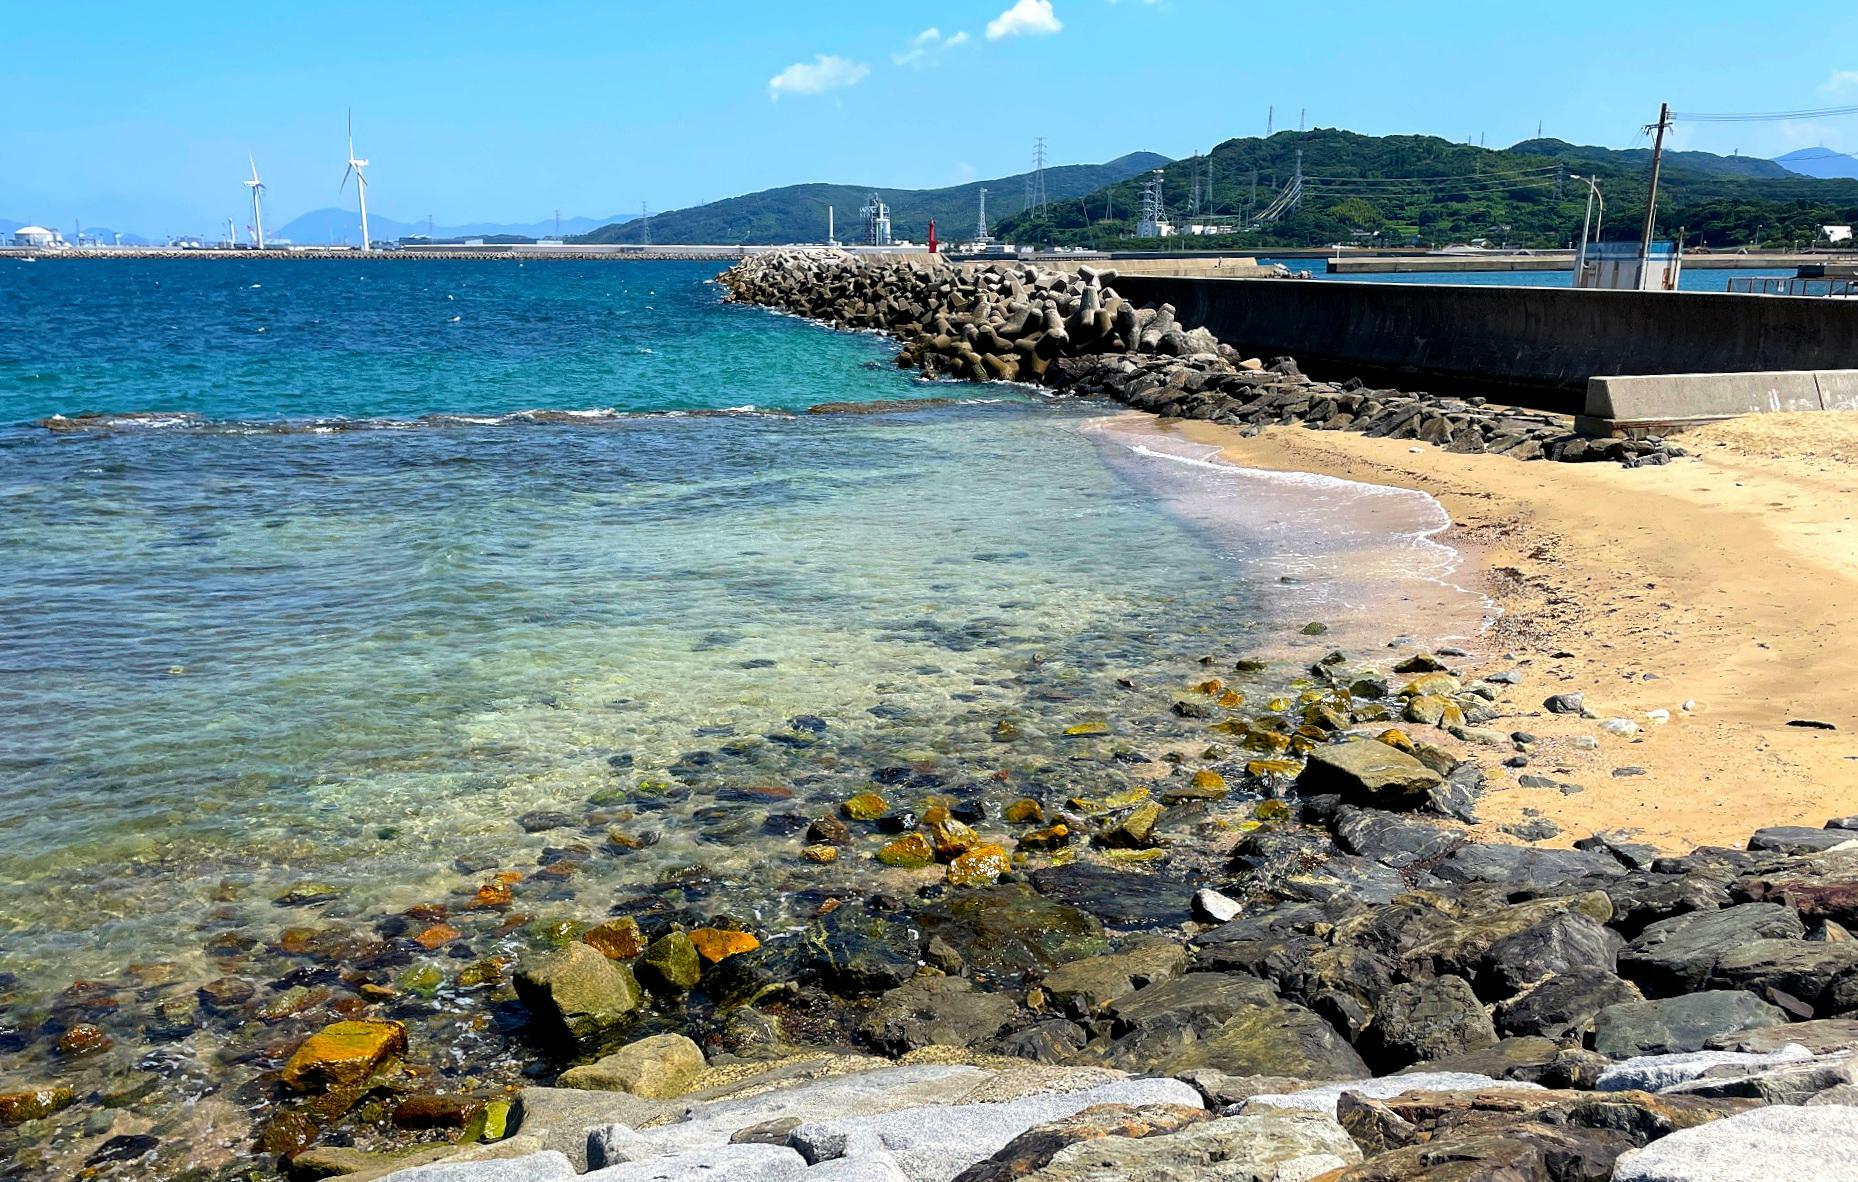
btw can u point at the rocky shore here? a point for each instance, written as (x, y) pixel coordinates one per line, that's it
(1248, 934)
(1070, 332)
(1342, 986)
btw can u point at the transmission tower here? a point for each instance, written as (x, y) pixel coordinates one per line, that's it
(1035, 180)
(645, 225)
(1153, 208)
(1193, 195)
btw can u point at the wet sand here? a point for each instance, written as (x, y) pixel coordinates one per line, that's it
(1729, 581)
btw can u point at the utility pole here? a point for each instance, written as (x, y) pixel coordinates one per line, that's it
(1270, 120)
(1651, 199)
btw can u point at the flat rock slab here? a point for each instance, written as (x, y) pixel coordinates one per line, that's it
(764, 1163)
(1279, 1147)
(1821, 1037)
(933, 1144)
(1653, 1073)
(547, 1166)
(866, 1092)
(1323, 1099)
(1679, 1024)
(1795, 1144)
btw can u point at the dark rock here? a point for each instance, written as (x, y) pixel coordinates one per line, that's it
(1562, 943)
(1564, 1004)
(542, 820)
(1393, 840)
(1680, 1023)
(1424, 1020)
(1053, 1040)
(1823, 975)
(1121, 898)
(1676, 955)
(1797, 839)
(1032, 1150)
(1525, 869)
(858, 951)
(939, 1011)
(1564, 703)
(1006, 931)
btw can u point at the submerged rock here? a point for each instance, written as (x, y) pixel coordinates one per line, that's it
(343, 1054)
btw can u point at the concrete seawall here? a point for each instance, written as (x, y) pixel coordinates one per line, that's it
(1546, 341)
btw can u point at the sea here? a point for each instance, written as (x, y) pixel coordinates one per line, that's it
(330, 590)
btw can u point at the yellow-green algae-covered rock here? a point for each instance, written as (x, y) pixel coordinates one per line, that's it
(577, 992)
(980, 866)
(866, 806)
(912, 851)
(343, 1053)
(34, 1103)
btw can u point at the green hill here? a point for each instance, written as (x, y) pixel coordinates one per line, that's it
(1402, 190)
(797, 213)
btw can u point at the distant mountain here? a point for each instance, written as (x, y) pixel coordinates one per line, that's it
(335, 225)
(1415, 189)
(1820, 162)
(797, 213)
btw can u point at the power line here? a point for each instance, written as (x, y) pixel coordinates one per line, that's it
(1761, 116)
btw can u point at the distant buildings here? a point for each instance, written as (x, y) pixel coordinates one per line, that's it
(37, 238)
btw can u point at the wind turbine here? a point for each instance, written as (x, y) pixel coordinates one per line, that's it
(361, 181)
(258, 214)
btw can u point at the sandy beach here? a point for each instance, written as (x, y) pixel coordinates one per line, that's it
(1725, 581)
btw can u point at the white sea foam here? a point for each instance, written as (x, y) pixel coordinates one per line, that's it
(1369, 552)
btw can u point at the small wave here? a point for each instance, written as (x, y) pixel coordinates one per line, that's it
(163, 420)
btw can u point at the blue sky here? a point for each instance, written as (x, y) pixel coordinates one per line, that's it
(139, 116)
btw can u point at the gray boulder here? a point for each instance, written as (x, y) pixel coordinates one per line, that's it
(1819, 974)
(1273, 1147)
(547, 1166)
(1679, 1024)
(1422, 1020)
(935, 1144)
(1561, 944)
(1798, 839)
(1677, 955)
(1085, 987)
(1526, 869)
(764, 1163)
(1393, 840)
(577, 993)
(1563, 1004)
(1790, 1083)
(1795, 1144)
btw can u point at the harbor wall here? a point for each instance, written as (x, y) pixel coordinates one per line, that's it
(1544, 340)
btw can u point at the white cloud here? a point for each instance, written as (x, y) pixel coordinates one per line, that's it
(1841, 82)
(1027, 18)
(927, 47)
(825, 72)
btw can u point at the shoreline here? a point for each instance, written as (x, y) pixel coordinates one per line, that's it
(1719, 580)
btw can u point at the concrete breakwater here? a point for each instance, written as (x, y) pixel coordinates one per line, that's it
(1071, 331)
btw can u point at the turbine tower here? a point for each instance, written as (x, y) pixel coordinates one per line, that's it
(258, 213)
(361, 182)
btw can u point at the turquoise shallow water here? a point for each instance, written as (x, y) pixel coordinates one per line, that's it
(305, 636)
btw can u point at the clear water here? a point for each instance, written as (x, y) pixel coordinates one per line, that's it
(308, 636)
